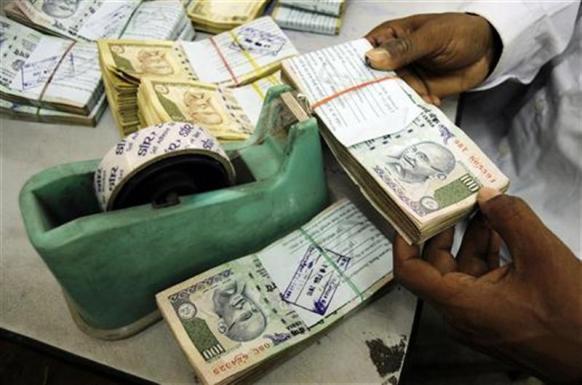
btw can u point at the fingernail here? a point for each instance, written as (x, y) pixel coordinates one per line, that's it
(486, 194)
(377, 56)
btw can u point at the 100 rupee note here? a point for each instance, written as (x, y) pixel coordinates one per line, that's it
(239, 315)
(413, 164)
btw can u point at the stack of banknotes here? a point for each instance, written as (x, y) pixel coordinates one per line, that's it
(56, 78)
(419, 170)
(215, 16)
(235, 318)
(318, 16)
(218, 83)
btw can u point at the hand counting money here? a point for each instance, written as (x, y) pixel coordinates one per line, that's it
(231, 319)
(415, 166)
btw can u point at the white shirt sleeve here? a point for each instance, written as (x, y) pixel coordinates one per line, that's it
(532, 33)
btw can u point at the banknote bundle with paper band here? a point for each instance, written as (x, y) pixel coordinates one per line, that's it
(414, 165)
(228, 113)
(325, 7)
(232, 59)
(40, 72)
(215, 16)
(58, 80)
(236, 317)
(310, 16)
(90, 20)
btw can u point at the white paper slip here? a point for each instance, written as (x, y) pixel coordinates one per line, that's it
(108, 21)
(233, 55)
(40, 66)
(338, 256)
(354, 101)
(251, 96)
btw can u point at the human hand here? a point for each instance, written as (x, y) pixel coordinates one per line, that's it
(528, 312)
(436, 54)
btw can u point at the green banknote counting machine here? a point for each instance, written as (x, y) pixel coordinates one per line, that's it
(111, 264)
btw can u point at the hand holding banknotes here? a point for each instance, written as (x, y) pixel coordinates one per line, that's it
(528, 312)
(437, 54)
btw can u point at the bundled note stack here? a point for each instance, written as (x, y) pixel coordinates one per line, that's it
(243, 314)
(324, 16)
(215, 16)
(414, 165)
(228, 113)
(202, 82)
(57, 79)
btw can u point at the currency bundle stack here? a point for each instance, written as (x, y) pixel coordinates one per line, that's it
(226, 112)
(91, 20)
(324, 17)
(232, 59)
(235, 318)
(56, 78)
(215, 16)
(39, 73)
(419, 170)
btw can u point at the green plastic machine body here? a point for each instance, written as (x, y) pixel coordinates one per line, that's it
(111, 264)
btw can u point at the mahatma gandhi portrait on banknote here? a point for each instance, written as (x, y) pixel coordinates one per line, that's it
(60, 9)
(421, 161)
(154, 62)
(202, 108)
(241, 318)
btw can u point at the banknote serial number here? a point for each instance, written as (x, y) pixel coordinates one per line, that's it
(241, 359)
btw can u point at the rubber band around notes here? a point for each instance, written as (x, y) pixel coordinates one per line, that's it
(328, 99)
(226, 65)
(52, 75)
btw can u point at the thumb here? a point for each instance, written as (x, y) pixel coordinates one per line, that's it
(397, 53)
(529, 241)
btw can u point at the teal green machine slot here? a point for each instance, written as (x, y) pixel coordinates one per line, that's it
(111, 264)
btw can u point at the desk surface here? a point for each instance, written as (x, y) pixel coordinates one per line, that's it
(32, 304)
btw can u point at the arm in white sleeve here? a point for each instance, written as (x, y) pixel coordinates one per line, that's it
(532, 33)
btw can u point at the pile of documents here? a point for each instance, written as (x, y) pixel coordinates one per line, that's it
(209, 82)
(57, 79)
(418, 169)
(215, 16)
(323, 16)
(246, 313)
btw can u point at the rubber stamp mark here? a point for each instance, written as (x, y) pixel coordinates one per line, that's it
(316, 279)
(259, 42)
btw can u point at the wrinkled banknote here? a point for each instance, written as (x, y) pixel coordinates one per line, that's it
(238, 315)
(227, 113)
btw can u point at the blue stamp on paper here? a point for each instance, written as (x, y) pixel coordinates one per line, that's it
(36, 74)
(319, 274)
(260, 42)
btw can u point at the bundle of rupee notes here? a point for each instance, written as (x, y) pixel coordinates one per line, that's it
(63, 61)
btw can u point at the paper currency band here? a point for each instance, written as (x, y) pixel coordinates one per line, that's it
(345, 278)
(350, 89)
(226, 65)
(251, 60)
(50, 78)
